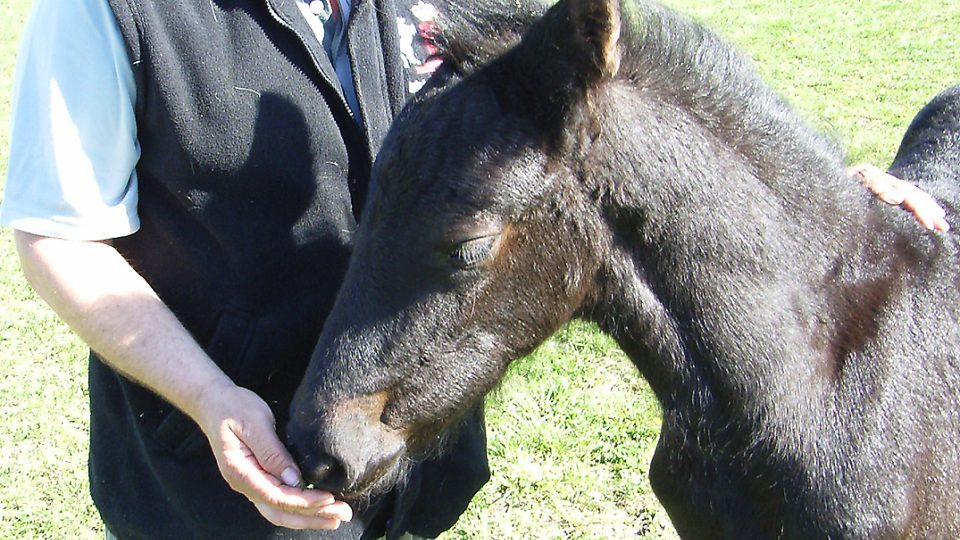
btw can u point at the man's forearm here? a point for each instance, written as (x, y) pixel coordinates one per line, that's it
(116, 312)
(111, 307)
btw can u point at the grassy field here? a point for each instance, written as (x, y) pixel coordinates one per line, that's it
(573, 428)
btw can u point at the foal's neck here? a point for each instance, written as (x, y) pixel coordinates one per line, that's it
(726, 281)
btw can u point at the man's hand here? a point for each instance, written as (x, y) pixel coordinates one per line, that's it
(897, 192)
(241, 431)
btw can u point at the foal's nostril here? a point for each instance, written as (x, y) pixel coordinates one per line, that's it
(324, 472)
(319, 469)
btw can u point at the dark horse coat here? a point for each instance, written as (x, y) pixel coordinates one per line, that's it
(622, 165)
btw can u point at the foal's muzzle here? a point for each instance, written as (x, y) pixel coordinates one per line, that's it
(346, 449)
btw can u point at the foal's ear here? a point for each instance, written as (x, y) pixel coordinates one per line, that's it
(597, 25)
(574, 47)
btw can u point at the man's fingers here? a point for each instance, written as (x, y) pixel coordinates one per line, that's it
(273, 457)
(258, 433)
(250, 478)
(339, 510)
(890, 194)
(897, 192)
(296, 521)
(884, 186)
(924, 207)
(941, 225)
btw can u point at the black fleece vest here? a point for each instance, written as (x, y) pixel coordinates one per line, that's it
(252, 175)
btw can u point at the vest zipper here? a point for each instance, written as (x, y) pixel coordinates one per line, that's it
(367, 150)
(355, 75)
(277, 17)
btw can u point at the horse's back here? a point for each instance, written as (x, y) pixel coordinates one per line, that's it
(928, 346)
(929, 156)
(929, 153)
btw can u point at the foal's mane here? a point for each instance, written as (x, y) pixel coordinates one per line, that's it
(686, 64)
(674, 58)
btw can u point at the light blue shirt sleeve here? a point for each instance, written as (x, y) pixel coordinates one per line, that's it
(73, 139)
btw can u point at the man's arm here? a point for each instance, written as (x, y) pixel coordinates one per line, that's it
(116, 312)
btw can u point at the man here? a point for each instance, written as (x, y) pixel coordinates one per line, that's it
(184, 181)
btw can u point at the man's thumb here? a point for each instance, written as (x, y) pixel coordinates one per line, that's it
(274, 458)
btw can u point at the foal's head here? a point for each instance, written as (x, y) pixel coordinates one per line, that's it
(476, 246)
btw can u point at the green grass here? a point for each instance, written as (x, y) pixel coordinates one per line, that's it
(43, 399)
(573, 427)
(571, 434)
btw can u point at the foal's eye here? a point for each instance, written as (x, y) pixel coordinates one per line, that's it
(471, 253)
